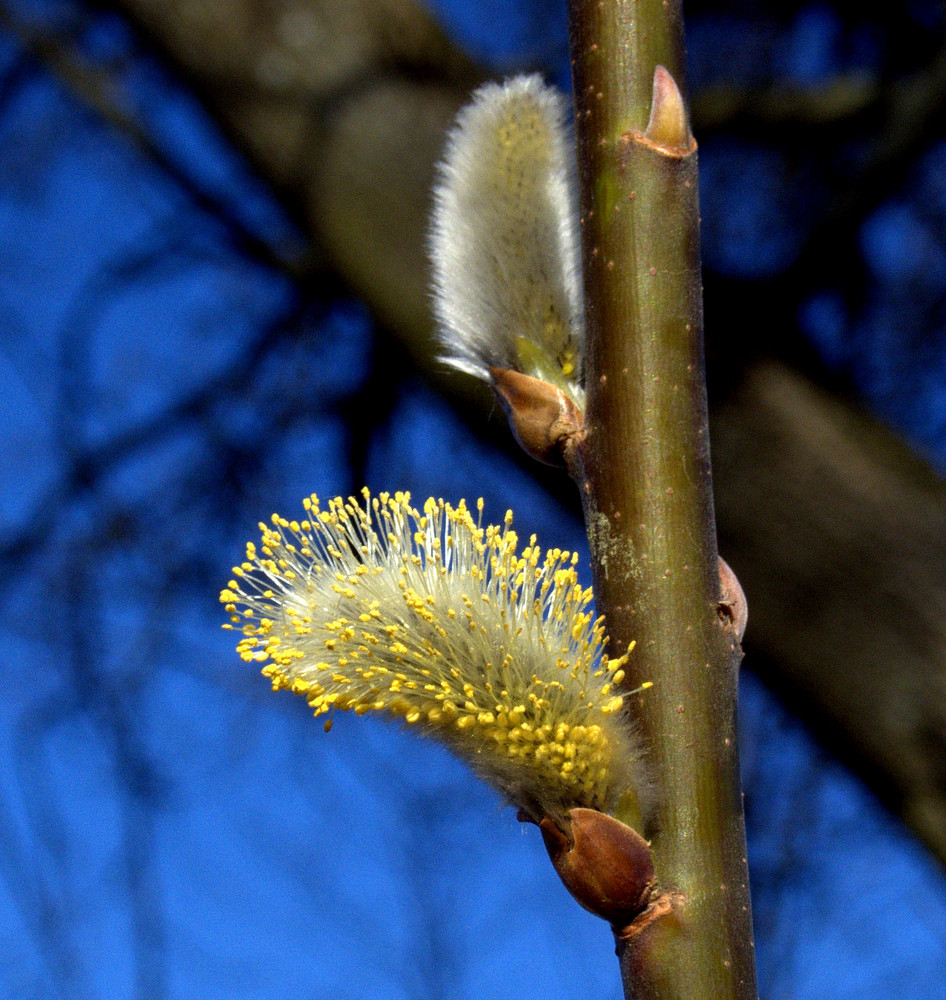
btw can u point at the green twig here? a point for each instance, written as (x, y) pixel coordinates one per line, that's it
(643, 469)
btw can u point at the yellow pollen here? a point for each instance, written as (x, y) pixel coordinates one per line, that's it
(369, 605)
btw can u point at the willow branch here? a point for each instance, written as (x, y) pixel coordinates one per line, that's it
(643, 470)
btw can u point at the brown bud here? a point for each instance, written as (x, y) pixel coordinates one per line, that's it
(668, 129)
(604, 864)
(732, 603)
(542, 417)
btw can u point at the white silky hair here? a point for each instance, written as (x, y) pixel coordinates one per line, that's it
(504, 236)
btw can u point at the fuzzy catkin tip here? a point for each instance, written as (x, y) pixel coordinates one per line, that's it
(428, 617)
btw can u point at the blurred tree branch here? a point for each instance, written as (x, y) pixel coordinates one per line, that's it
(834, 526)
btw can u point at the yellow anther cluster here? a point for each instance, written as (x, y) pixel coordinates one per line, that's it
(430, 617)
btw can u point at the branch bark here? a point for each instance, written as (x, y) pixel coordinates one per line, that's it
(644, 474)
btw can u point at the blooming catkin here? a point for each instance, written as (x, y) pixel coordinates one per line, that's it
(429, 617)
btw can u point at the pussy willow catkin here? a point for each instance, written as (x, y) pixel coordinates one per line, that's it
(428, 617)
(504, 237)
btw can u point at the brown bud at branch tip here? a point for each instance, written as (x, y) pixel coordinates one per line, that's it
(604, 864)
(542, 417)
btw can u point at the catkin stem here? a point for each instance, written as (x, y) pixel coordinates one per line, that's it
(644, 474)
